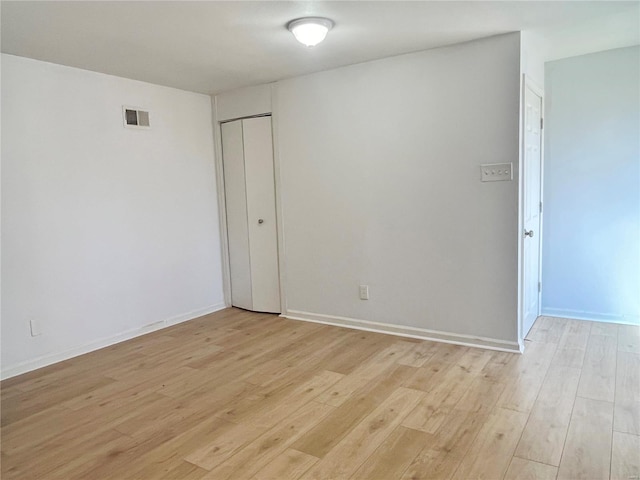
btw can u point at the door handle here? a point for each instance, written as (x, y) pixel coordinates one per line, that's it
(260, 221)
(528, 233)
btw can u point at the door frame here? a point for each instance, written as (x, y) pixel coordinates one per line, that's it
(222, 207)
(527, 82)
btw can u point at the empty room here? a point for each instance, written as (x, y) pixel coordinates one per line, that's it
(281, 240)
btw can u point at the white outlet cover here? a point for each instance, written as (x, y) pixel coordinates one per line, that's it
(364, 292)
(496, 172)
(35, 328)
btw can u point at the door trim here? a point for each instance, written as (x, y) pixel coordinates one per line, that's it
(527, 82)
(222, 203)
(245, 118)
(277, 172)
(222, 207)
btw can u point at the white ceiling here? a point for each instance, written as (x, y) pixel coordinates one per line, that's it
(213, 46)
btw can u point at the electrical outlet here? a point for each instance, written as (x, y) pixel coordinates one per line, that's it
(496, 172)
(35, 327)
(364, 292)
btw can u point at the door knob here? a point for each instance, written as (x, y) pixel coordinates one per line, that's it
(528, 233)
(260, 221)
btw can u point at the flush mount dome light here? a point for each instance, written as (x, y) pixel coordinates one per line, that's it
(310, 31)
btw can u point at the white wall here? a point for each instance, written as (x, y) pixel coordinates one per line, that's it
(533, 51)
(594, 34)
(244, 102)
(106, 230)
(591, 250)
(380, 184)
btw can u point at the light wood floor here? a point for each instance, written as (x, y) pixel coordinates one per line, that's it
(238, 395)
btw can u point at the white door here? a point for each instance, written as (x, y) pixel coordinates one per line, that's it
(261, 213)
(247, 156)
(531, 208)
(237, 221)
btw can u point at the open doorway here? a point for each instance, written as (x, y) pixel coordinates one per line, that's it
(591, 244)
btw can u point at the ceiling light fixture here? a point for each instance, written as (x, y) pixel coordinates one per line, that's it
(310, 31)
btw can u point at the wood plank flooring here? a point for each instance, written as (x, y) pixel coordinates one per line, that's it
(240, 395)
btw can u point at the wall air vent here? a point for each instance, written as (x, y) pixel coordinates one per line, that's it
(135, 118)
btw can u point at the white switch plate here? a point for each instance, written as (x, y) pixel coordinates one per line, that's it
(496, 172)
(35, 328)
(364, 292)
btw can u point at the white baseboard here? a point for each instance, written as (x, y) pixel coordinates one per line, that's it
(44, 360)
(592, 316)
(405, 331)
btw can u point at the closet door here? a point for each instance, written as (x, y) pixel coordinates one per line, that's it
(236, 203)
(247, 151)
(261, 212)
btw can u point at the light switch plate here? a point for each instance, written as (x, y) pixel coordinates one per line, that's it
(496, 172)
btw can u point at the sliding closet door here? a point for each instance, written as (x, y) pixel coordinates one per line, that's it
(261, 212)
(247, 151)
(237, 226)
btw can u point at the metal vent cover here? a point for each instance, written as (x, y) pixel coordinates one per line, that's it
(134, 117)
